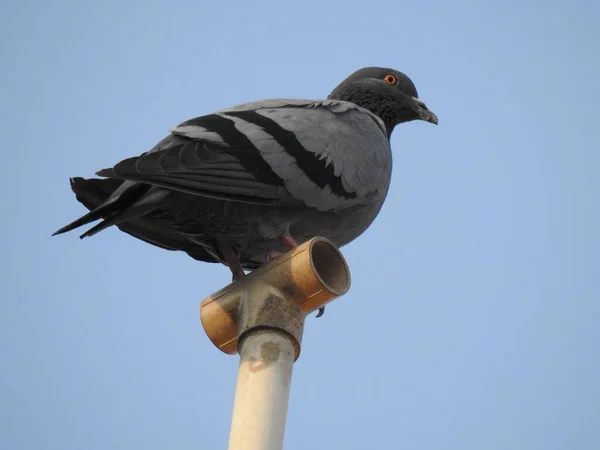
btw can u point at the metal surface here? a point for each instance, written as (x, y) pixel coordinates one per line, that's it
(262, 391)
(309, 277)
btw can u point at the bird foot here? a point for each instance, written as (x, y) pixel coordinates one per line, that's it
(232, 260)
(237, 275)
(271, 256)
(288, 241)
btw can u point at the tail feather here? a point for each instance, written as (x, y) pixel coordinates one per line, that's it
(127, 193)
(96, 193)
(142, 206)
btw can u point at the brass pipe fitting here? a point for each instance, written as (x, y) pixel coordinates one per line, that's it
(278, 295)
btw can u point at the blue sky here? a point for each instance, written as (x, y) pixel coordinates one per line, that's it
(472, 322)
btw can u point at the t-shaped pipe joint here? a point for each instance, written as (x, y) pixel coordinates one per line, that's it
(278, 295)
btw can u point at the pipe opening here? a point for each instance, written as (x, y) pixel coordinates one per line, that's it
(330, 267)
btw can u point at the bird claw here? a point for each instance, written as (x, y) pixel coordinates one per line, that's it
(237, 275)
(272, 256)
(232, 260)
(288, 241)
(321, 312)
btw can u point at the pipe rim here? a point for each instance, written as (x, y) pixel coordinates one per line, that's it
(329, 266)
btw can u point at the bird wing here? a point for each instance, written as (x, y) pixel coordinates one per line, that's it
(327, 154)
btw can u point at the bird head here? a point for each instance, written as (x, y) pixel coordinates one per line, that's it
(388, 93)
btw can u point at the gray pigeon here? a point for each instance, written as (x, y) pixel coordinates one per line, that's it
(246, 184)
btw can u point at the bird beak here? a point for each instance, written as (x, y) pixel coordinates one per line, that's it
(424, 113)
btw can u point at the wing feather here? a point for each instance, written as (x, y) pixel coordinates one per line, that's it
(328, 154)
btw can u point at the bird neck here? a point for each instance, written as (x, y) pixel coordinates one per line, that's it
(368, 99)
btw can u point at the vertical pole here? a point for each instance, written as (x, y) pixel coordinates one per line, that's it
(262, 391)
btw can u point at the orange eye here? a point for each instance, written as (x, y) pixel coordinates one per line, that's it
(390, 79)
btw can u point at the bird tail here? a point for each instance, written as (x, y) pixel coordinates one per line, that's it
(115, 201)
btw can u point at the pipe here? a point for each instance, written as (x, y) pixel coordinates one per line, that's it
(303, 279)
(262, 392)
(262, 317)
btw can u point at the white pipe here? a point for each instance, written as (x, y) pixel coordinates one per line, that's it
(262, 392)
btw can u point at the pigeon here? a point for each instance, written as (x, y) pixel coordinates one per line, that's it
(246, 184)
